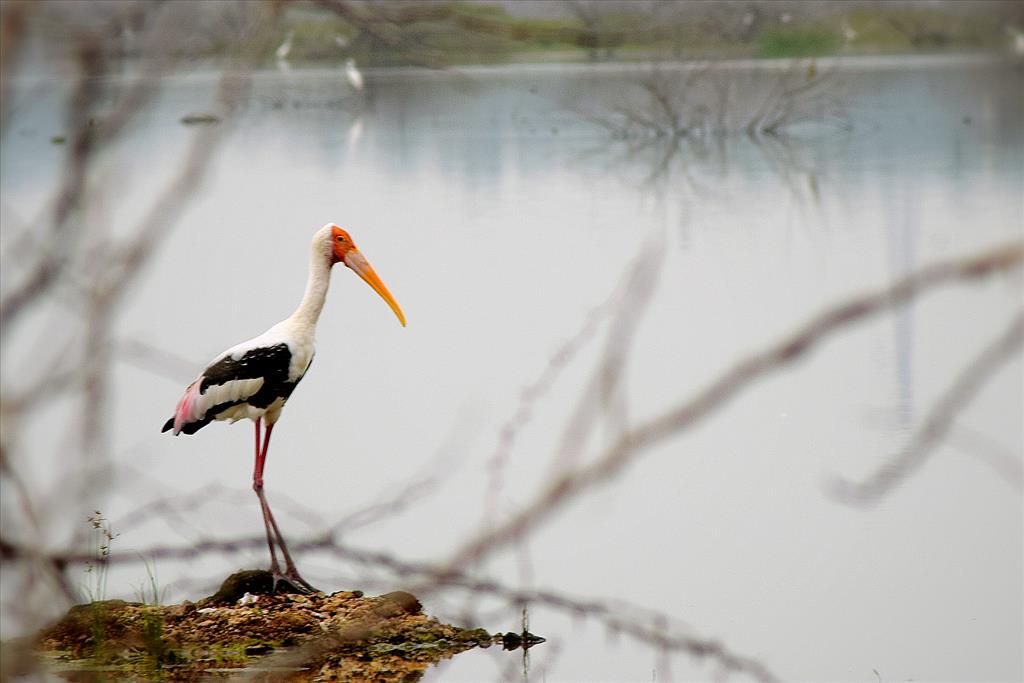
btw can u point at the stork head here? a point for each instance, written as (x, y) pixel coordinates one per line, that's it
(343, 250)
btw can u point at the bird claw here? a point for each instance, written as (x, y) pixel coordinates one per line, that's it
(295, 583)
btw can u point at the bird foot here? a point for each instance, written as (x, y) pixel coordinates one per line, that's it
(293, 582)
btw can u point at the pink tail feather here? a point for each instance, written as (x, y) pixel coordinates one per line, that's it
(183, 413)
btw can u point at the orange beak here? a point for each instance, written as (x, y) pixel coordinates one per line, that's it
(357, 262)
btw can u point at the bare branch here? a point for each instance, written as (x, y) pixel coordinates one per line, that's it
(397, 502)
(531, 394)
(89, 135)
(605, 385)
(13, 18)
(55, 252)
(938, 423)
(684, 415)
(1006, 464)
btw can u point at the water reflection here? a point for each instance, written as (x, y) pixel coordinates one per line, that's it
(699, 167)
(680, 123)
(523, 640)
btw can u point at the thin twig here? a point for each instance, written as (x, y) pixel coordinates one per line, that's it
(773, 357)
(936, 425)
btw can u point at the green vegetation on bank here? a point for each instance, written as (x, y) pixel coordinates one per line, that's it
(459, 32)
(797, 42)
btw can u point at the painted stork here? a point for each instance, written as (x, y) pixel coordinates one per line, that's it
(255, 378)
(352, 73)
(285, 48)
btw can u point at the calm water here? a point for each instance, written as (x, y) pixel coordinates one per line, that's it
(500, 219)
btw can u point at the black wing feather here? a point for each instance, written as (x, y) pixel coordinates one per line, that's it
(270, 363)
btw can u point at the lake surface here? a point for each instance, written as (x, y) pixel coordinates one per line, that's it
(501, 219)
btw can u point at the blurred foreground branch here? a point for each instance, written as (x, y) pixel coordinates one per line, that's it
(939, 421)
(775, 356)
(69, 268)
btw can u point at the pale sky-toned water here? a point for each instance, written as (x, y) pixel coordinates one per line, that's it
(499, 220)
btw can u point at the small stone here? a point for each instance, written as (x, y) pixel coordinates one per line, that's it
(193, 119)
(405, 602)
(247, 599)
(255, 581)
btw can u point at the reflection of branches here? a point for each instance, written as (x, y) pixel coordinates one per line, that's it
(676, 139)
(681, 114)
(967, 384)
(700, 100)
(798, 175)
(775, 356)
(799, 95)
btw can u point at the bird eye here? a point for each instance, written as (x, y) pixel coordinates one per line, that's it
(340, 238)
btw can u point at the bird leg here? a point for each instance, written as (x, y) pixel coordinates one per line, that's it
(257, 486)
(291, 573)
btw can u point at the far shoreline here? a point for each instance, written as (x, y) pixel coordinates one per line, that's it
(213, 70)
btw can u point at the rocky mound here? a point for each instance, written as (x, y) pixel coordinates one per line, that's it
(294, 637)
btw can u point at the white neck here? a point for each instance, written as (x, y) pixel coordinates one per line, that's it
(308, 312)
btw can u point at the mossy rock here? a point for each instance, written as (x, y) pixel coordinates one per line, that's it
(341, 636)
(253, 581)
